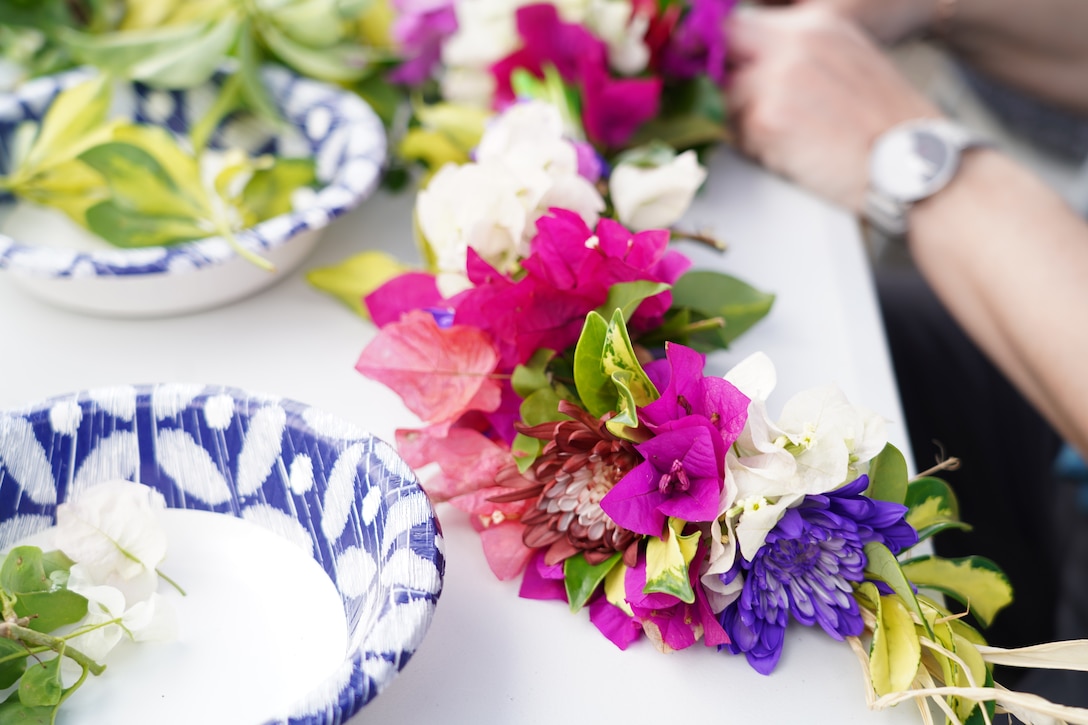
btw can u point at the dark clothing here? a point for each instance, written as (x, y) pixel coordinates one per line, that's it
(957, 404)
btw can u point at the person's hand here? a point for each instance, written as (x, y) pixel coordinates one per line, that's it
(809, 94)
(889, 21)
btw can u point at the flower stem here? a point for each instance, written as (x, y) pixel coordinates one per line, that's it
(42, 642)
(701, 238)
(171, 582)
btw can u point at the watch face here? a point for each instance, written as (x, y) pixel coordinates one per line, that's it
(913, 164)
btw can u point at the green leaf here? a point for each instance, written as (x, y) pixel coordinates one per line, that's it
(933, 507)
(607, 373)
(593, 384)
(118, 52)
(618, 355)
(139, 181)
(533, 375)
(268, 193)
(40, 685)
(14, 712)
(190, 64)
(627, 296)
(23, 571)
(75, 119)
(881, 564)
(130, 230)
(341, 63)
(713, 294)
(681, 132)
(895, 652)
(582, 578)
(668, 561)
(356, 277)
(51, 610)
(254, 91)
(385, 98)
(888, 476)
(974, 581)
(538, 407)
(55, 560)
(313, 23)
(11, 669)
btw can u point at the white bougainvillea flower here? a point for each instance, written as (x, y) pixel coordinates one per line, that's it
(113, 530)
(655, 197)
(617, 24)
(819, 443)
(104, 604)
(470, 205)
(524, 167)
(152, 620)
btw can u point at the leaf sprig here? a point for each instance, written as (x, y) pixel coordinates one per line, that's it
(136, 185)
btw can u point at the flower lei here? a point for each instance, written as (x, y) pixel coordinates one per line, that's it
(555, 348)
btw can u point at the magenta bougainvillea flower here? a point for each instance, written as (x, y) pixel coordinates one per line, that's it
(683, 475)
(547, 41)
(669, 622)
(695, 421)
(612, 108)
(419, 30)
(567, 274)
(697, 44)
(687, 391)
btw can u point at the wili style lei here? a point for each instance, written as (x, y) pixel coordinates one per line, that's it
(554, 347)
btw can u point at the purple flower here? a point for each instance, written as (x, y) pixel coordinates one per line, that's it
(806, 568)
(420, 29)
(683, 475)
(698, 43)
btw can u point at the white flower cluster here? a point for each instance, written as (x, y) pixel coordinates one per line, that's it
(525, 165)
(114, 534)
(819, 443)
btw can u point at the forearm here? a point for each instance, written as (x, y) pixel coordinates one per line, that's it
(1014, 280)
(1039, 46)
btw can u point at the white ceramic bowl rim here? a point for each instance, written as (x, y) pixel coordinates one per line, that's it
(344, 134)
(360, 506)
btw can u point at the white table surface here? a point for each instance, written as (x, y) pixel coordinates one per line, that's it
(490, 657)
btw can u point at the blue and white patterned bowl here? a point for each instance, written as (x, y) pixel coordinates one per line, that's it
(339, 129)
(303, 474)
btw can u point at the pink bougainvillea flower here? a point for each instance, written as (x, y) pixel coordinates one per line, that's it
(547, 41)
(404, 293)
(613, 109)
(682, 476)
(467, 459)
(471, 465)
(670, 623)
(439, 373)
(686, 391)
(506, 554)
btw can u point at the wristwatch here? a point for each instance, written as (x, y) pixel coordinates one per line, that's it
(911, 162)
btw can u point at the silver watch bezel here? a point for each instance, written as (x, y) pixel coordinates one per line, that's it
(910, 162)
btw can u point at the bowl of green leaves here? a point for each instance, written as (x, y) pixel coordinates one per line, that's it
(121, 199)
